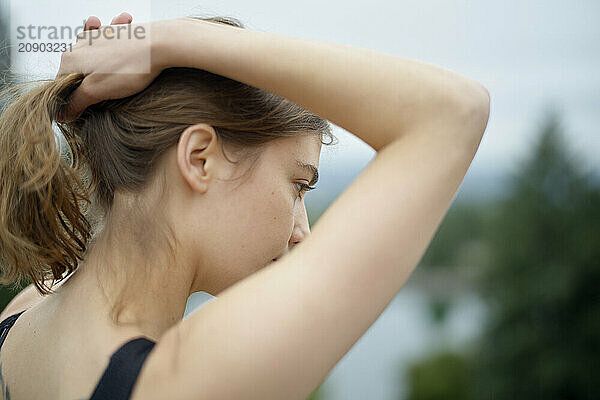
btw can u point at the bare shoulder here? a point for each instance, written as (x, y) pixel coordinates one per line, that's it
(25, 299)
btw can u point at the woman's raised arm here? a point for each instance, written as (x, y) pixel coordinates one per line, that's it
(374, 95)
(279, 332)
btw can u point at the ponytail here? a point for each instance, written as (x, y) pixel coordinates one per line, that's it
(43, 228)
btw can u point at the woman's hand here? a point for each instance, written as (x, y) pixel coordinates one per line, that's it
(116, 62)
(93, 22)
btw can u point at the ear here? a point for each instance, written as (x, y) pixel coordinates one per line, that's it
(197, 155)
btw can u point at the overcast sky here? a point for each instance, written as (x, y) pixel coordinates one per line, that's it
(528, 54)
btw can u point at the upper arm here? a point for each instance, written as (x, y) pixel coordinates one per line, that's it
(278, 333)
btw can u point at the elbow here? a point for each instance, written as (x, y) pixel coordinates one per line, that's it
(472, 107)
(458, 114)
(481, 110)
(472, 111)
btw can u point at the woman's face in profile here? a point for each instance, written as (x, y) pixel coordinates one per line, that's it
(262, 218)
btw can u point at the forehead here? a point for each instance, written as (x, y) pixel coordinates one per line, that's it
(305, 148)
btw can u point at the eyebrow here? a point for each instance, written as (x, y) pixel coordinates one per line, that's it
(311, 168)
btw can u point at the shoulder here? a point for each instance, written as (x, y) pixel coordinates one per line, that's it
(26, 298)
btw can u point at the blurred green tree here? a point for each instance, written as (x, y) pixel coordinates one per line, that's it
(463, 223)
(543, 340)
(441, 376)
(540, 283)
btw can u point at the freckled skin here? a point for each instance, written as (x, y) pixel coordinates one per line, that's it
(262, 219)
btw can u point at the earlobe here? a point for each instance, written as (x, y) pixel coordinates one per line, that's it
(195, 153)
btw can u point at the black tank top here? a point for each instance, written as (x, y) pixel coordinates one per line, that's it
(123, 368)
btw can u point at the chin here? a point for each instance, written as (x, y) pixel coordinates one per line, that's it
(269, 263)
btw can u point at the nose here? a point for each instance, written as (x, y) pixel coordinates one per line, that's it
(301, 226)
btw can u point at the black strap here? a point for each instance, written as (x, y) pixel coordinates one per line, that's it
(6, 324)
(121, 374)
(123, 368)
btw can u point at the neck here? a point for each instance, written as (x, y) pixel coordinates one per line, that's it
(150, 295)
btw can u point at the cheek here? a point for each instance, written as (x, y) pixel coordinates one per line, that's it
(280, 214)
(275, 222)
(264, 221)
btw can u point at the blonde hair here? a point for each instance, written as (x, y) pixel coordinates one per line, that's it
(52, 202)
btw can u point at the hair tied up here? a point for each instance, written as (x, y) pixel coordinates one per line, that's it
(43, 230)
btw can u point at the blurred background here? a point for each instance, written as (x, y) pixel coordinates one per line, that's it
(505, 302)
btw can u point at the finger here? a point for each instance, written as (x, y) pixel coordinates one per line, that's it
(84, 35)
(79, 100)
(92, 22)
(68, 64)
(123, 18)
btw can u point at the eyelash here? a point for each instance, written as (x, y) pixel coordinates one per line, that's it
(304, 188)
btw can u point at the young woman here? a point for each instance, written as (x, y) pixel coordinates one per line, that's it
(197, 172)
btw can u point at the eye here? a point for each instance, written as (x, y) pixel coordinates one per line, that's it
(303, 188)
